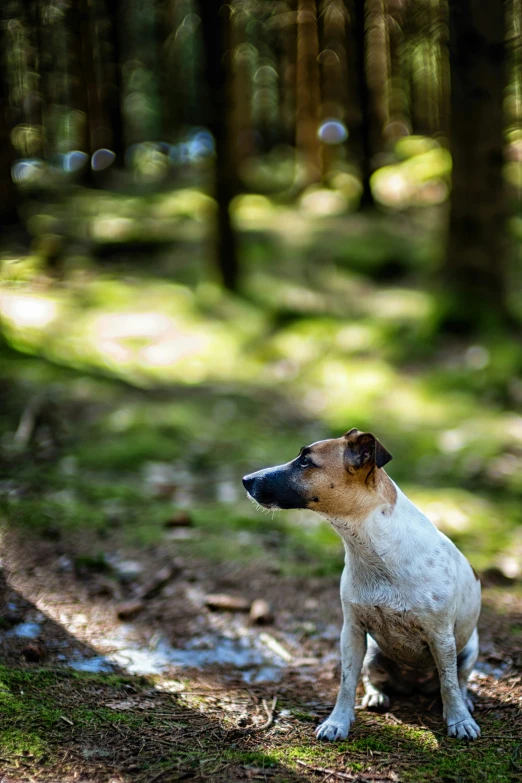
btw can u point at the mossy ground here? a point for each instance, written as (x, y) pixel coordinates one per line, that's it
(213, 386)
(62, 724)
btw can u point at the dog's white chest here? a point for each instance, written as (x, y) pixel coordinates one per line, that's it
(399, 634)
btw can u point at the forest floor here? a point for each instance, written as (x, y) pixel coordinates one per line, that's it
(178, 689)
(185, 692)
(130, 407)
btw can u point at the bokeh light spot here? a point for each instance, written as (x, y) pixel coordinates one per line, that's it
(102, 159)
(332, 132)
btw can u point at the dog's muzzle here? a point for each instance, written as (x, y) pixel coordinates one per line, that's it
(274, 488)
(254, 487)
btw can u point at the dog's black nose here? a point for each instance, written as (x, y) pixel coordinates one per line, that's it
(248, 483)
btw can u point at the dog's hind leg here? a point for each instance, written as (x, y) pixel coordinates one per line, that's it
(375, 677)
(466, 660)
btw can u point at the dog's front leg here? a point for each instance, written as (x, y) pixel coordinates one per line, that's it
(456, 714)
(353, 648)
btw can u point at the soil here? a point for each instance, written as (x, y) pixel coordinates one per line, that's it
(179, 690)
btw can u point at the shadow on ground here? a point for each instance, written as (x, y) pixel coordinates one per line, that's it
(209, 723)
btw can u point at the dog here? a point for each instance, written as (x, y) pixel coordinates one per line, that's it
(410, 598)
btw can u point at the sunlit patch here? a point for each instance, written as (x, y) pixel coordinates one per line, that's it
(27, 311)
(419, 179)
(452, 511)
(477, 357)
(251, 208)
(112, 228)
(400, 304)
(451, 441)
(348, 184)
(321, 202)
(169, 351)
(332, 131)
(410, 146)
(187, 202)
(392, 188)
(121, 326)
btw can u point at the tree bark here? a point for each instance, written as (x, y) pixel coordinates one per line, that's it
(308, 91)
(8, 190)
(363, 130)
(475, 269)
(114, 95)
(216, 35)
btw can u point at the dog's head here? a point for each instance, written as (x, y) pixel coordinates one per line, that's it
(335, 477)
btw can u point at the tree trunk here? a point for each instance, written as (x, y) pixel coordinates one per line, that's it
(476, 251)
(363, 131)
(334, 92)
(308, 91)
(8, 191)
(114, 94)
(216, 35)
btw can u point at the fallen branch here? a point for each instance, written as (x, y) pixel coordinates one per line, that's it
(344, 775)
(170, 768)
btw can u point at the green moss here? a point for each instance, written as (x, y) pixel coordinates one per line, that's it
(22, 742)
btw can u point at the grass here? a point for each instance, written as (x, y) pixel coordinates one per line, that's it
(143, 377)
(260, 390)
(47, 702)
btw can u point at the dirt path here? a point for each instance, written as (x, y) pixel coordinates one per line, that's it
(177, 690)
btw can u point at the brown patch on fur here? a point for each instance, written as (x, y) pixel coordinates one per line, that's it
(388, 488)
(341, 492)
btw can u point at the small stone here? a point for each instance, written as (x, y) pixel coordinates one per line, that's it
(226, 603)
(180, 519)
(261, 612)
(33, 653)
(128, 610)
(64, 564)
(127, 570)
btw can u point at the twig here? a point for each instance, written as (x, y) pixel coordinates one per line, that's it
(343, 775)
(270, 714)
(164, 771)
(111, 724)
(513, 760)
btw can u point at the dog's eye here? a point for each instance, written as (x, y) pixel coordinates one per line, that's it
(306, 462)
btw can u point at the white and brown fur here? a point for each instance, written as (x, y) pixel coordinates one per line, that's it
(410, 599)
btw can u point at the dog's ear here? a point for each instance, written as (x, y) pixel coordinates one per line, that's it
(363, 448)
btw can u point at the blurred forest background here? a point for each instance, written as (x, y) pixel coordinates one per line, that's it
(286, 219)
(292, 217)
(229, 230)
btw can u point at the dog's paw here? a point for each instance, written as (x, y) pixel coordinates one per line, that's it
(463, 728)
(333, 730)
(468, 701)
(379, 702)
